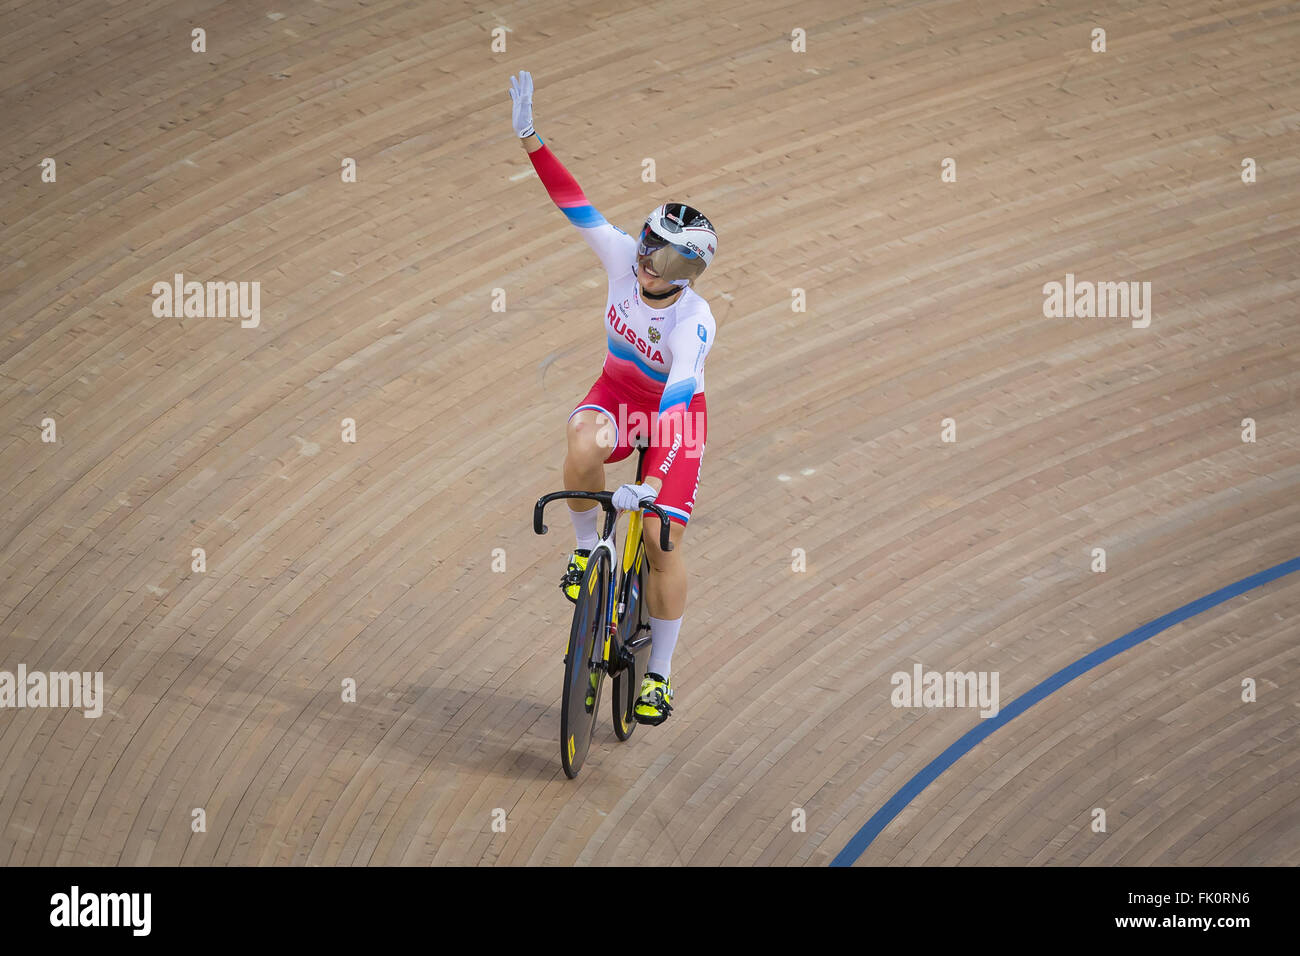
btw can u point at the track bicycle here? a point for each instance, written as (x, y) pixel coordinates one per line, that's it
(610, 634)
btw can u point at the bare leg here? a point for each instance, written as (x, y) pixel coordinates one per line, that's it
(590, 441)
(666, 583)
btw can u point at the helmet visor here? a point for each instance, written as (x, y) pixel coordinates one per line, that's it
(675, 263)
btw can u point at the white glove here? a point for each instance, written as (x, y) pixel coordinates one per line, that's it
(521, 92)
(632, 497)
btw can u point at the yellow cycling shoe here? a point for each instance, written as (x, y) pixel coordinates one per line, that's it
(572, 579)
(655, 703)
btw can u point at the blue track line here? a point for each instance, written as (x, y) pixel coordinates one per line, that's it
(882, 817)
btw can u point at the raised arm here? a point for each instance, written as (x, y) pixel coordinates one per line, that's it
(615, 248)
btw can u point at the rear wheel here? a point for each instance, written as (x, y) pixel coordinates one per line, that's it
(635, 637)
(584, 667)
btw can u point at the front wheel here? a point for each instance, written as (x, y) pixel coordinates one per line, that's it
(634, 631)
(584, 664)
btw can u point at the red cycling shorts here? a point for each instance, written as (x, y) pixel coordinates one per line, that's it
(671, 456)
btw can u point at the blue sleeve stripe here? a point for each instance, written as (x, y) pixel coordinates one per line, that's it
(585, 217)
(679, 393)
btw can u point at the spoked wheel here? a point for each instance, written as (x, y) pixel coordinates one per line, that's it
(635, 633)
(584, 668)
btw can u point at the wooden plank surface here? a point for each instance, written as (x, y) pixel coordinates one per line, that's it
(374, 561)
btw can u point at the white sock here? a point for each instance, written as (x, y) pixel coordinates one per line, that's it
(584, 524)
(663, 638)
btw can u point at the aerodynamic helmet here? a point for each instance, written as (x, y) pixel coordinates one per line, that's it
(677, 243)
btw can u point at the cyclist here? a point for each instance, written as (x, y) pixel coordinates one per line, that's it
(658, 332)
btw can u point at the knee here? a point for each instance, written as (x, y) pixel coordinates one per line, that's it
(584, 438)
(655, 556)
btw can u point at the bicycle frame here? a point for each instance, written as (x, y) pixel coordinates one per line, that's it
(628, 564)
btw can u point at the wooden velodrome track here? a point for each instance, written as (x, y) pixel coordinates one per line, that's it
(374, 560)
